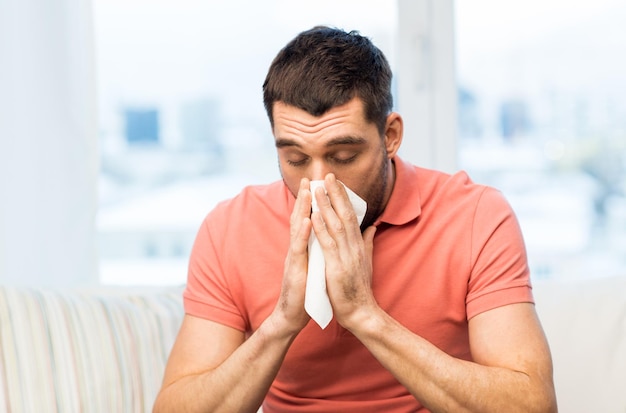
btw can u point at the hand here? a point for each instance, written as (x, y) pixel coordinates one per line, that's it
(347, 252)
(290, 306)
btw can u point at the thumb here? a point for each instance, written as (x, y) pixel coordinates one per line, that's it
(368, 239)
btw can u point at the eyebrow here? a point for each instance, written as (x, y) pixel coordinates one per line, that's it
(342, 140)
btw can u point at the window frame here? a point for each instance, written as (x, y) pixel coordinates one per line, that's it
(426, 83)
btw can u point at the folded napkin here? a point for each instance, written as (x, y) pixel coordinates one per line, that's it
(316, 301)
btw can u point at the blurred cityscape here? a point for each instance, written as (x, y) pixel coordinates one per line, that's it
(567, 184)
(531, 123)
(542, 116)
(182, 122)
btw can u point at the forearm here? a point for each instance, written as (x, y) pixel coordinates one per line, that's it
(240, 383)
(443, 383)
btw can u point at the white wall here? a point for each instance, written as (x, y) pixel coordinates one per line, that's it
(48, 143)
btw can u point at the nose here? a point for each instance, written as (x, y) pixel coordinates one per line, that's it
(319, 170)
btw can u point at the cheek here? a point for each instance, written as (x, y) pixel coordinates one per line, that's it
(372, 184)
(291, 180)
(362, 180)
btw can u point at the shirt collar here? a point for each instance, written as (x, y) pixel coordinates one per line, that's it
(404, 203)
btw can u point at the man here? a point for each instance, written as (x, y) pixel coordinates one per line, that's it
(430, 294)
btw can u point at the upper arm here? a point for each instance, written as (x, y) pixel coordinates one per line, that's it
(201, 345)
(511, 337)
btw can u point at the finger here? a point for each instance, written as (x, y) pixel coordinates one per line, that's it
(327, 242)
(301, 225)
(321, 230)
(368, 239)
(339, 198)
(300, 241)
(338, 213)
(329, 221)
(296, 262)
(302, 207)
(291, 301)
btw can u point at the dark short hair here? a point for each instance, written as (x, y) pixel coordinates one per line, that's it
(324, 67)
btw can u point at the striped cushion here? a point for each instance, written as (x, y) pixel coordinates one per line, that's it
(84, 351)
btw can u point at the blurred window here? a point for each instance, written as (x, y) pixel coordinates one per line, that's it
(542, 116)
(182, 123)
(541, 111)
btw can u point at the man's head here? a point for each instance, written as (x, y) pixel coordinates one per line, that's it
(328, 97)
(324, 68)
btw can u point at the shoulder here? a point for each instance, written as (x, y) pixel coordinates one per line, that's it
(423, 192)
(432, 184)
(461, 206)
(458, 194)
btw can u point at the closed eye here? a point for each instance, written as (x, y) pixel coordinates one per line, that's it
(300, 162)
(344, 160)
(343, 156)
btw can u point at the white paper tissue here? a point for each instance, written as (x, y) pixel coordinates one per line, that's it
(316, 301)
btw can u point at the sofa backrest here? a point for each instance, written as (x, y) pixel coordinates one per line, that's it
(84, 351)
(105, 350)
(585, 323)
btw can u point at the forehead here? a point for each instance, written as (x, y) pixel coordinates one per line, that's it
(290, 119)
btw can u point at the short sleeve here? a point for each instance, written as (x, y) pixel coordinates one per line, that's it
(208, 293)
(499, 266)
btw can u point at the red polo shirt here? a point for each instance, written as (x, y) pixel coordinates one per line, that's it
(445, 250)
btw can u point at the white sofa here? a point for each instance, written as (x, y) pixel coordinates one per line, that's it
(585, 322)
(105, 350)
(85, 351)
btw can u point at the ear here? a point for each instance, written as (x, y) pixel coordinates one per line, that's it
(393, 133)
